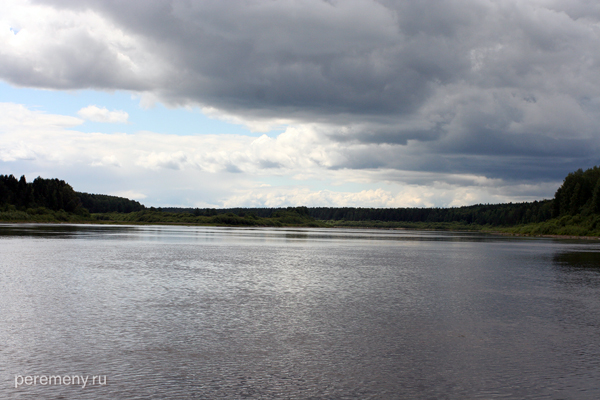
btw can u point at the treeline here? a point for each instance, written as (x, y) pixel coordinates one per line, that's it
(240, 211)
(481, 214)
(102, 203)
(52, 194)
(56, 195)
(575, 208)
(579, 193)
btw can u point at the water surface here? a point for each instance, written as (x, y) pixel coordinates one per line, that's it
(201, 312)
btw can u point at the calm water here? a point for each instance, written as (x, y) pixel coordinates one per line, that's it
(196, 312)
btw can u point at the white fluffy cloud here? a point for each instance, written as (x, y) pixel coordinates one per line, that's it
(97, 114)
(42, 46)
(230, 170)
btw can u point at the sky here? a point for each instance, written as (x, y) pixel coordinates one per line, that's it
(322, 103)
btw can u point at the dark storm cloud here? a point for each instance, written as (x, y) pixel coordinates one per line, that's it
(507, 89)
(320, 57)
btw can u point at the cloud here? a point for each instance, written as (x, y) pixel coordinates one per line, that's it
(17, 116)
(235, 170)
(408, 196)
(130, 194)
(97, 114)
(507, 90)
(19, 127)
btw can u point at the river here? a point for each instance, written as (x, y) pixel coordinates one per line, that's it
(202, 312)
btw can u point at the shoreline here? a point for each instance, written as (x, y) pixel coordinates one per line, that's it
(548, 236)
(129, 223)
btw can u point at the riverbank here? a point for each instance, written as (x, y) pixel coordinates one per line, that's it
(319, 224)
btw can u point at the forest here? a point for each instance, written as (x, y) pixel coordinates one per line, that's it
(54, 200)
(480, 214)
(574, 210)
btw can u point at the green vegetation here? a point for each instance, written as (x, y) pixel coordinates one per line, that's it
(292, 216)
(53, 200)
(575, 208)
(567, 225)
(574, 211)
(43, 200)
(480, 214)
(9, 213)
(102, 203)
(51, 194)
(438, 226)
(470, 216)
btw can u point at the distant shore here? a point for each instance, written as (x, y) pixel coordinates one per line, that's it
(327, 225)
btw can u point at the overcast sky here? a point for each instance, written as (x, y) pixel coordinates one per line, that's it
(318, 103)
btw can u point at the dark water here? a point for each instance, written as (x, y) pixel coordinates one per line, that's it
(193, 312)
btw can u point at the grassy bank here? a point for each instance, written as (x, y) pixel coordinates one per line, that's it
(568, 225)
(441, 226)
(279, 219)
(42, 214)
